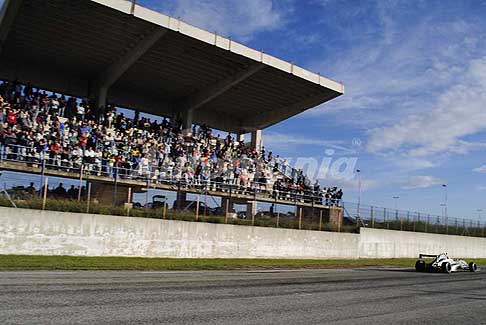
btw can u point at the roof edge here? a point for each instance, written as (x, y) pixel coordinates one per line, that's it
(214, 39)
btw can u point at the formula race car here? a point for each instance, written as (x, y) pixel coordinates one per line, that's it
(443, 263)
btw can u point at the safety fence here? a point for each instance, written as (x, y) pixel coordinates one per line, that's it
(198, 207)
(395, 219)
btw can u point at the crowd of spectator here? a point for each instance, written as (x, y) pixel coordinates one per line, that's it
(69, 134)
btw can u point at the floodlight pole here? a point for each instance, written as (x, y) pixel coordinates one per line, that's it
(396, 202)
(445, 200)
(358, 171)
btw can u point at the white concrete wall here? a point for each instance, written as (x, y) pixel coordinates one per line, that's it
(396, 244)
(36, 232)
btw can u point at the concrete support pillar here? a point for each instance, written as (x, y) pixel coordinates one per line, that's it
(335, 218)
(256, 139)
(186, 118)
(181, 199)
(108, 194)
(101, 96)
(226, 205)
(251, 209)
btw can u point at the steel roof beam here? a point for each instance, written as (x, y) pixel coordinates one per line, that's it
(118, 68)
(9, 12)
(204, 96)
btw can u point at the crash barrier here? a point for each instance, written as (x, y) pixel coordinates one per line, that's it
(402, 244)
(24, 231)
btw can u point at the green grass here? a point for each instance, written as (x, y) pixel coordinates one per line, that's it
(37, 262)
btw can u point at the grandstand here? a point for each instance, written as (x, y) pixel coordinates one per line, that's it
(117, 53)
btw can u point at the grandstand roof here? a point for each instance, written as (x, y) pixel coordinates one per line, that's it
(152, 62)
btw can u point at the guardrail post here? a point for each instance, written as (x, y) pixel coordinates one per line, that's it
(43, 169)
(197, 208)
(300, 218)
(178, 203)
(164, 213)
(129, 201)
(88, 199)
(226, 209)
(80, 186)
(414, 223)
(418, 216)
(320, 219)
(44, 194)
(115, 192)
(147, 194)
(385, 218)
(372, 215)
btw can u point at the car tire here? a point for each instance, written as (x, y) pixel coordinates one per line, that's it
(473, 267)
(446, 267)
(420, 266)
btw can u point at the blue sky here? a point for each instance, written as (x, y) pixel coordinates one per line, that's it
(413, 116)
(414, 112)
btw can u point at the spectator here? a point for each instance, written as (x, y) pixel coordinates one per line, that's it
(72, 193)
(35, 126)
(60, 191)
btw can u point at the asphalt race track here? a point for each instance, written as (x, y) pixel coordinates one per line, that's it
(246, 297)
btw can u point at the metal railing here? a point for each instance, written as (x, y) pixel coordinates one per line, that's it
(153, 175)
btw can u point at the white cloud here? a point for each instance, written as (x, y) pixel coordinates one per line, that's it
(481, 170)
(278, 141)
(235, 18)
(408, 164)
(415, 182)
(428, 75)
(350, 185)
(459, 112)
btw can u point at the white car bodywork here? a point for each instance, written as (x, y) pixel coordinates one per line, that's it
(443, 263)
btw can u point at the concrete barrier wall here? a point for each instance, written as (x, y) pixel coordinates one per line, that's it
(396, 244)
(36, 232)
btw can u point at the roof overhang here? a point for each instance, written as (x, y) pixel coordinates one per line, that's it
(152, 62)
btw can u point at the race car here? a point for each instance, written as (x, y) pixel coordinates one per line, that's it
(443, 263)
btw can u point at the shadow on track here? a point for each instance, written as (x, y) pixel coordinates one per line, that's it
(387, 270)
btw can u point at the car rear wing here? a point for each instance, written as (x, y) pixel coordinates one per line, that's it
(427, 255)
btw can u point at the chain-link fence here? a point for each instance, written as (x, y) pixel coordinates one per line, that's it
(394, 219)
